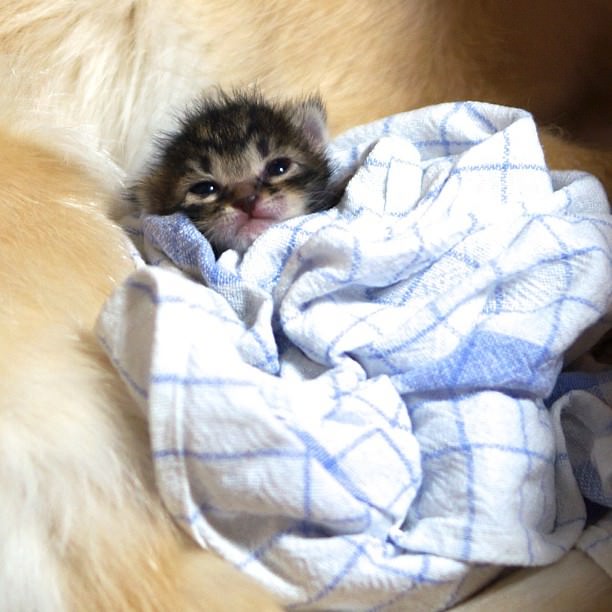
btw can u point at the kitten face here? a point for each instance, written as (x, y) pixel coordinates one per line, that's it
(240, 164)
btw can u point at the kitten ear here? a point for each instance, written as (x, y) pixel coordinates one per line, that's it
(310, 118)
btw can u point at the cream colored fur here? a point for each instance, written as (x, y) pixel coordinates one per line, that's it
(81, 527)
(85, 85)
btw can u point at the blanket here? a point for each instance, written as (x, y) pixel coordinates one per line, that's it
(354, 411)
(581, 406)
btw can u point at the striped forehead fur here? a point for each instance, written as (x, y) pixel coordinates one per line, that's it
(227, 145)
(225, 123)
(230, 130)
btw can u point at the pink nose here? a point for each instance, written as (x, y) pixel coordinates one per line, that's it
(244, 196)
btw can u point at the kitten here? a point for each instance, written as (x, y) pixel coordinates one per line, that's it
(239, 164)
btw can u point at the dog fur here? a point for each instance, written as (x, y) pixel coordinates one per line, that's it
(85, 85)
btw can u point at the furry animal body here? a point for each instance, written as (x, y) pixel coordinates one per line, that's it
(239, 164)
(86, 85)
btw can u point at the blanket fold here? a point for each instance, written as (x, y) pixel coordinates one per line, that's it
(353, 413)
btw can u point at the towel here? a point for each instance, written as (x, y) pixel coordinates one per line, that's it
(581, 406)
(354, 411)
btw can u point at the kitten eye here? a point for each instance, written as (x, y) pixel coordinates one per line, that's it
(278, 167)
(204, 188)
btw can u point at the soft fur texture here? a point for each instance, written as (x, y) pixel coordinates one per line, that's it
(85, 84)
(81, 527)
(238, 164)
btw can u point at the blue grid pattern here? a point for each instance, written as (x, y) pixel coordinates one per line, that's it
(582, 405)
(582, 408)
(353, 413)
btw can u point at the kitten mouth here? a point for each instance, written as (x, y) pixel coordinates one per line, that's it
(256, 225)
(262, 215)
(271, 209)
(249, 231)
(242, 228)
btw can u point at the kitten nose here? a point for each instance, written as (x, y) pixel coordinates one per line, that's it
(245, 196)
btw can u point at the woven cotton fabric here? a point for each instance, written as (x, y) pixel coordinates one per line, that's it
(353, 412)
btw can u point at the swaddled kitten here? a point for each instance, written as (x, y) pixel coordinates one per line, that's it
(239, 164)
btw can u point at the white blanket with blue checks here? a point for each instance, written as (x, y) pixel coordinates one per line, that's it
(353, 413)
